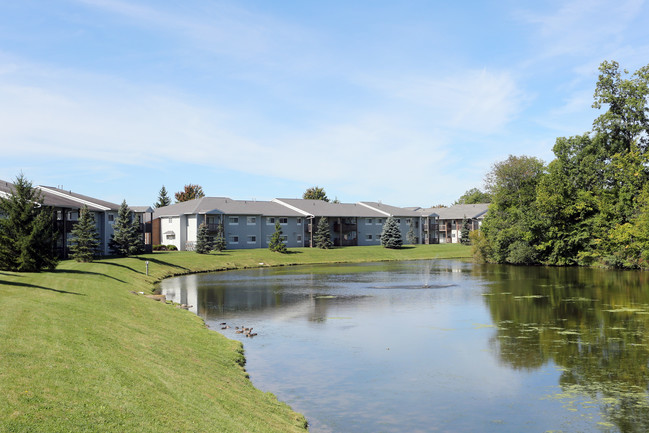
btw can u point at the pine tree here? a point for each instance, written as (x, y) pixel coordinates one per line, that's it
(219, 241)
(127, 239)
(163, 198)
(203, 242)
(276, 243)
(322, 238)
(411, 236)
(85, 243)
(464, 232)
(27, 236)
(391, 234)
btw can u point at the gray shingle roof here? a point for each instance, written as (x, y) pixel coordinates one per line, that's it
(460, 211)
(64, 199)
(320, 208)
(225, 205)
(393, 210)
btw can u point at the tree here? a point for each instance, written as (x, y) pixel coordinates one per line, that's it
(465, 231)
(315, 193)
(411, 236)
(85, 242)
(473, 196)
(512, 227)
(163, 198)
(127, 239)
(190, 192)
(626, 120)
(322, 238)
(219, 241)
(276, 242)
(391, 234)
(203, 241)
(27, 237)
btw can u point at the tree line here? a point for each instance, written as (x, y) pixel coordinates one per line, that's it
(590, 204)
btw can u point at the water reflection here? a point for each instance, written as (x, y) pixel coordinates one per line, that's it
(440, 345)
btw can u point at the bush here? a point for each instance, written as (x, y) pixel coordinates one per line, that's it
(172, 248)
(159, 248)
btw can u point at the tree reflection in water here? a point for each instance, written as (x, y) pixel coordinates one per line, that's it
(592, 324)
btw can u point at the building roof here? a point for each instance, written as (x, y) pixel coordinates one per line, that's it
(79, 200)
(460, 211)
(320, 208)
(141, 209)
(227, 206)
(388, 210)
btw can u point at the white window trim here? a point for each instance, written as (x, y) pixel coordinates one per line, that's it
(253, 223)
(270, 221)
(283, 223)
(233, 223)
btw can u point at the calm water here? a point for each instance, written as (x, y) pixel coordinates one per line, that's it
(440, 346)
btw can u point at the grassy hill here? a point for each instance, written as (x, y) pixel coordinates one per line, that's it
(82, 353)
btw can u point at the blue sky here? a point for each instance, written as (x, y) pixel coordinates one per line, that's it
(406, 102)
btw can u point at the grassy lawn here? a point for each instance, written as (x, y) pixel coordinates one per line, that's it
(80, 353)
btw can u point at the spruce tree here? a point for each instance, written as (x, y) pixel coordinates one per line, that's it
(163, 198)
(203, 241)
(276, 243)
(411, 236)
(85, 242)
(27, 235)
(322, 238)
(464, 232)
(127, 239)
(391, 234)
(219, 241)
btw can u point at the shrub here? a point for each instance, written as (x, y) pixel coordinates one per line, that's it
(159, 248)
(172, 248)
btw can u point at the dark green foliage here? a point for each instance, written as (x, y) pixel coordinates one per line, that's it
(127, 239)
(474, 196)
(464, 232)
(190, 192)
(322, 238)
(203, 241)
(85, 242)
(411, 236)
(27, 238)
(163, 198)
(172, 247)
(315, 193)
(391, 234)
(219, 240)
(276, 242)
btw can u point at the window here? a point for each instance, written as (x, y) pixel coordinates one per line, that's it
(233, 220)
(270, 220)
(169, 220)
(251, 221)
(299, 238)
(284, 238)
(379, 221)
(368, 237)
(111, 218)
(398, 220)
(368, 220)
(233, 239)
(252, 239)
(409, 221)
(283, 221)
(299, 221)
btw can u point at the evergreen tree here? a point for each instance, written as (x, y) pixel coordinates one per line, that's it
(163, 198)
(85, 242)
(464, 232)
(127, 239)
(322, 238)
(276, 243)
(203, 241)
(27, 237)
(411, 236)
(391, 234)
(190, 192)
(219, 241)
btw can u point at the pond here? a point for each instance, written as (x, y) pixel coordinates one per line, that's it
(443, 345)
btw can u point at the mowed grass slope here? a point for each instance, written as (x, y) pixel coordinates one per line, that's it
(80, 353)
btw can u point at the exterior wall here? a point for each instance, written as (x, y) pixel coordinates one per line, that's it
(292, 228)
(191, 232)
(243, 234)
(171, 224)
(370, 227)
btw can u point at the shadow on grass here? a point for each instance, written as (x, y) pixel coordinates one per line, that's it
(162, 262)
(122, 266)
(33, 286)
(4, 274)
(74, 271)
(293, 252)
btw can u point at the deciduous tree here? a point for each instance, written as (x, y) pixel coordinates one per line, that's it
(190, 192)
(315, 193)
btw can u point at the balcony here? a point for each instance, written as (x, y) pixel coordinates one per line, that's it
(344, 227)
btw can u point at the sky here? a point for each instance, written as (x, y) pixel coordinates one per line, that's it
(409, 103)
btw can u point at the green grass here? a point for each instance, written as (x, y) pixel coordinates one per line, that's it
(80, 353)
